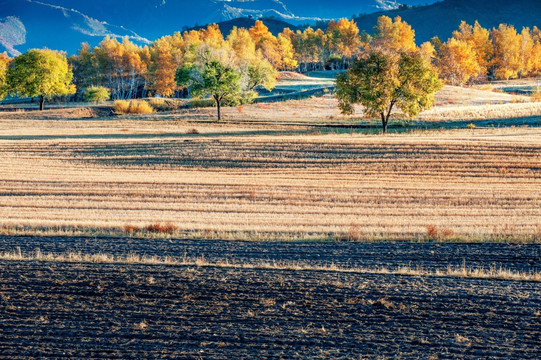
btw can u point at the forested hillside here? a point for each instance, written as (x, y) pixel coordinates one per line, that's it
(442, 18)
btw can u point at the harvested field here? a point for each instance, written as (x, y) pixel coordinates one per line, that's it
(110, 197)
(451, 185)
(89, 310)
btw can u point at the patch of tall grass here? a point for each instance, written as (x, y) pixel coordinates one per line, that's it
(133, 107)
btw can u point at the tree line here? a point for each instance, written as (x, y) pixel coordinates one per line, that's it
(130, 71)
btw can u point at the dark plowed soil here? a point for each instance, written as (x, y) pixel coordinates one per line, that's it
(56, 310)
(430, 256)
(111, 311)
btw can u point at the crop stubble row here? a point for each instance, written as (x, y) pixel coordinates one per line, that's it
(394, 186)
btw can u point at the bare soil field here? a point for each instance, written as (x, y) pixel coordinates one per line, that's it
(113, 311)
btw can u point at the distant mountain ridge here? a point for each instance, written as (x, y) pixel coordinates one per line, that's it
(64, 24)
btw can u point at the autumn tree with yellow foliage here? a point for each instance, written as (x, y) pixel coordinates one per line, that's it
(120, 66)
(344, 39)
(276, 50)
(166, 55)
(502, 53)
(457, 62)
(507, 61)
(478, 38)
(4, 63)
(393, 35)
(162, 70)
(242, 43)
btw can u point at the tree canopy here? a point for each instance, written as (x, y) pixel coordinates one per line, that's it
(473, 53)
(40, 73)
(458, 62)
(384, 80)
(4, 63)
(214, 79)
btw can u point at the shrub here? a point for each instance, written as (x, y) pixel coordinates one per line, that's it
(192, 131)
(168, 228)
(161, 104)
(157, 103)
(447, 233)
(432, 231)
(486, 87)
(536, 97)
(140, 107)
(197, 103)
(354, 232)
(131, 229)
(96, 94)
(122, 106)
(133, 107)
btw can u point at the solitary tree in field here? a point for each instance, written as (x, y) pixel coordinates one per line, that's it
(385, 80)
(222, 83)
(40, 73)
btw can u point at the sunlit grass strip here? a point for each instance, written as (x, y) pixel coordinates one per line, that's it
(250, 235)
(493, 273)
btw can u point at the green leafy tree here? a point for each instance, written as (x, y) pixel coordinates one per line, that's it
(97, 94)
(261, 73)
(222, 83)
(40, 73)
(384, 80)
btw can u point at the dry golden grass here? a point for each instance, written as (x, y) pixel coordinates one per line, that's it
(482, 112)
(536, 96)
(133, 107)
(481, 185)
(452, 103)
(454, 272)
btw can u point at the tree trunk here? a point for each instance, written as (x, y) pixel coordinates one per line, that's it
(41, 102)
(218, 106)
(384, 121)
(385, 117)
